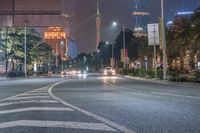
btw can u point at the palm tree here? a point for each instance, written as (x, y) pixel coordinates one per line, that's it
(184, 35)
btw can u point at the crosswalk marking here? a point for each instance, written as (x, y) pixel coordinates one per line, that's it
(35, 109)
(31, 97)
(31, 101)
(57, 124)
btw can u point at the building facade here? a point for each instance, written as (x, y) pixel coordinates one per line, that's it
(72, 49)
(140, 16)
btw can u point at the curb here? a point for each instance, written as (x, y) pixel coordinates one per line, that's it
(19, 78)
(164, 82)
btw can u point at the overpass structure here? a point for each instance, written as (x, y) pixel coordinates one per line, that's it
(29, 13)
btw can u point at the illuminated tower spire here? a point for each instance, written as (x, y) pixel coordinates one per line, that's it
(98, 25)
(140, 15)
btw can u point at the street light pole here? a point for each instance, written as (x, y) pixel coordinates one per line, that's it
(113, 56)
(163, 42)
(124, 46)
(25, 68)
(57, 57)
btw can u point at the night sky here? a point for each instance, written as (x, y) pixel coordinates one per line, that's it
(115, 10)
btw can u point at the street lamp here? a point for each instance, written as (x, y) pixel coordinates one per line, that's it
(124, 42)
(62, 45)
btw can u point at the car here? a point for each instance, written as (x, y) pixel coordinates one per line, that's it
(65, 72)
(109, 71)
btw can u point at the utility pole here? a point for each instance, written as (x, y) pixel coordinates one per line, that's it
(124, 46)
(98, 26)
(163, 41)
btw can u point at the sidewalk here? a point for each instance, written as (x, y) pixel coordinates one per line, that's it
(19, 78)
(3, 78)
(166, 82)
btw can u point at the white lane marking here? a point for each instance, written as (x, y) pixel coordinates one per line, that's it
(103, 120)
(174, 95)
(140, 92)
(25, 93)
(35, 94)
(35, 109)
(30, 97)
(31, 101)
(57, 124)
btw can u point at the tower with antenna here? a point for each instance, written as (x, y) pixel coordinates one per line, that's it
(98, 25)
(140, 16)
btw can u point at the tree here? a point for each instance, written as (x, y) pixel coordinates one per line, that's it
(184, 35)
(118, 45)
(42, 54)
(105, 51)
(14, 44)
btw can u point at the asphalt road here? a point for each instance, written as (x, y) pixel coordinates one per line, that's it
(97, 104)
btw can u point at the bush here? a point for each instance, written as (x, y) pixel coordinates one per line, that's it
(160, 73)
(142, 72)
(197, 76)
(151, 73)
(174, 74)
(183, 78)
(14, 74)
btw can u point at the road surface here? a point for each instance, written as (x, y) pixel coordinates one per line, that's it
(97, 104)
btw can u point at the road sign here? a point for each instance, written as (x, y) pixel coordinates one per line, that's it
(153, 34)
(145, 58)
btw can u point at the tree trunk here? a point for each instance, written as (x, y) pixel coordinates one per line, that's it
(13, 64)
(6, 45)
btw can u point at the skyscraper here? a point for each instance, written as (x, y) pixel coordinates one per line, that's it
(140, 16)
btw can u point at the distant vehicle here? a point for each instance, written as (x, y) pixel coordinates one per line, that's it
(109, 71)
(65, 72)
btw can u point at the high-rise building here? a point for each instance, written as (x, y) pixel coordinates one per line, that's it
(140, 16)
(72, 49)
(56, 38)
(186, 9)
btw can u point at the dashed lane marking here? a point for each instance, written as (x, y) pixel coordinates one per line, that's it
(35, 109)
(141, 92)
(31, 101)
(57, 124)
(101, 119)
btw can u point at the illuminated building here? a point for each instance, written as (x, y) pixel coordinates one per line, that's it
(186, 10)
(57, 39)
(140, 15)
(72, 49)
